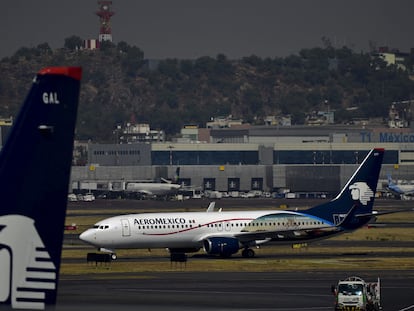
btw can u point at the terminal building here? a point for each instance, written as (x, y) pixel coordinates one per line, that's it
(299, 159)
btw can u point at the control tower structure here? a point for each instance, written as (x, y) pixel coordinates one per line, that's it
(105, 14)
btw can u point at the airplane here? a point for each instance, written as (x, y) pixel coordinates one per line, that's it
(224, 233)
(35, 165)
(154, 188)
(399, 189)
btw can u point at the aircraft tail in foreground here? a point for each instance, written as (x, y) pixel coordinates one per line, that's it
(35, 168)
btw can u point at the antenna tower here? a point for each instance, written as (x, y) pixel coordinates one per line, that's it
(105, 14)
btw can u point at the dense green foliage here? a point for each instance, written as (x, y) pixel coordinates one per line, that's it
(120, 86)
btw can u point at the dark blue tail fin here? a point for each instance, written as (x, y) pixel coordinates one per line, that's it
(352, 207)
(35, 168)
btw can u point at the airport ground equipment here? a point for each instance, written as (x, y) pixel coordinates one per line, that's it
(354, 294)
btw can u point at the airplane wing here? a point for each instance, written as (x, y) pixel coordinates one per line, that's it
(287, 235)
(293, 234)
(299, 234)
(379, 213)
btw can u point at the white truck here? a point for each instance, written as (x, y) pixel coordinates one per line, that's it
(354, 294)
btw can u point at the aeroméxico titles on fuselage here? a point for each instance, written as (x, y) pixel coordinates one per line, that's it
(225, 233)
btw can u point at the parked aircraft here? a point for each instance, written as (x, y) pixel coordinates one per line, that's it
(400, 189)
(152, 188)
(35, 165)
(163, 188)
(224, 233)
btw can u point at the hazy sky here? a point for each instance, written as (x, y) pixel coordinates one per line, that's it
(195, 28)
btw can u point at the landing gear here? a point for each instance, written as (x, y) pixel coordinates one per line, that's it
(248, 253)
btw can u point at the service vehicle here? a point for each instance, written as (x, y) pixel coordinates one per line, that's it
(354, 294)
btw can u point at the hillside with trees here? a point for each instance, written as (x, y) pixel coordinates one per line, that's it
(119, 85)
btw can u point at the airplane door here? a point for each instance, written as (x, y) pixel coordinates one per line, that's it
(126, 229)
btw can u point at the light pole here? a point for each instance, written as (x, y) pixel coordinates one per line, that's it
(171, 159)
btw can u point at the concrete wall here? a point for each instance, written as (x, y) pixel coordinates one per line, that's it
(297, 178)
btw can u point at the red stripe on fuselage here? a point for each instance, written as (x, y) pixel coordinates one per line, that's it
(199, 226)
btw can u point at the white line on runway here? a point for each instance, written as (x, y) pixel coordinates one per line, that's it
(407, 308)
(194, 291)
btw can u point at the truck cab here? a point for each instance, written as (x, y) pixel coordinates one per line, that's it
(354, 294)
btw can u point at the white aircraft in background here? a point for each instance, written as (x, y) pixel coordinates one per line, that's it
(400, 189)
(152, 188)
(163, 188)
(225, 233)
(35, 166)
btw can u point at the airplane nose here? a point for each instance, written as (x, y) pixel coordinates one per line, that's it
(88, 236)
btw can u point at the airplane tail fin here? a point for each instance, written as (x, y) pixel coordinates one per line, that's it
(352, 207)
(389, 180)
(35, 165)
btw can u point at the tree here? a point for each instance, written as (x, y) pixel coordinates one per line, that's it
(73, 43)
(44, 48)
(23, 52)
(132, 59)
(107, 47)
(123, 47)
(252, 101)
(169, 68)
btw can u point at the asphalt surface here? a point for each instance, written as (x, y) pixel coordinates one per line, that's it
(106, 206)
(225, 291)
(182, 290)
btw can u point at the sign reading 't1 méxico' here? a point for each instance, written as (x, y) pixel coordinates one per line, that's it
(384, 137)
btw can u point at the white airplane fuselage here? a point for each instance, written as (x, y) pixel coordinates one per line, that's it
(401, 189)
(152, 188)
(189, 229)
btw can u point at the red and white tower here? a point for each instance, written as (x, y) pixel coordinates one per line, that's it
(105, 14)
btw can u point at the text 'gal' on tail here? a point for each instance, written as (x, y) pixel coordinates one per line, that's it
(35, 166)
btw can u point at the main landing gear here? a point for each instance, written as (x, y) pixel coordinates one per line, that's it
(248, 253)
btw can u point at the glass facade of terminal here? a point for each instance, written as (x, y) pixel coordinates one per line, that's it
(252, 157)
(204, 157)
(328, 157)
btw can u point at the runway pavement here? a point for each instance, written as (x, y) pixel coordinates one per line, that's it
(109, 206)
(224, 291)
(182, 290)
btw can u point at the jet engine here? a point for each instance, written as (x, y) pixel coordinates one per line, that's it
(224, 247)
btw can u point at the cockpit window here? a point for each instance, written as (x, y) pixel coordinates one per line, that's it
(101, 227)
